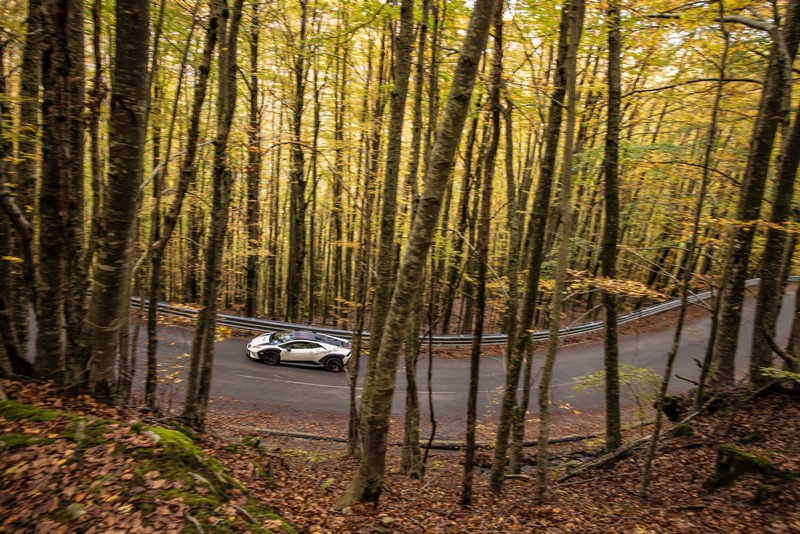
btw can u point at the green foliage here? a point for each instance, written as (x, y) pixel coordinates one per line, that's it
(637, 384)
(640, 383)
(780, 374)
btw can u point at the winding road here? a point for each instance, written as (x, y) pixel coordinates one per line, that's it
(249, 385)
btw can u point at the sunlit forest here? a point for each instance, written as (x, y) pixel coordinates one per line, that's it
(392, 167)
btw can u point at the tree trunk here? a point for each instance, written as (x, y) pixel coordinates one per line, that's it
(186, 178)
(482, 254)
(10, 350)
(297, 179)
(770, 291)
(769, 118)
(574, 29)
(690, 253)
(608, 255)
(378, 392)
(535, 245)
(28, 152)
(254, 234)
(50, 362)
(385, 263)
(199, 383)
(411, 458)
(127, 129)
(76, 278)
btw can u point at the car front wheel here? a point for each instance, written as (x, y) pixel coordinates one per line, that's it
(334, 364)
(270, 357)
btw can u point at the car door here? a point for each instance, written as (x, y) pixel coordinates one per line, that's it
(302, 351)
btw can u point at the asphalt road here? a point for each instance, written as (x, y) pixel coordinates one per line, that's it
(249, 385)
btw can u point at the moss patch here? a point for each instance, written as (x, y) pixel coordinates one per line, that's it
(154, 477)
(14, 411)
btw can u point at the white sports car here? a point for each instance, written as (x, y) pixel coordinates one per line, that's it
(300, 346)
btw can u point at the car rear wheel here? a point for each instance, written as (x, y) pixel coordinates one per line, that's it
(270, 357)
(334, 364)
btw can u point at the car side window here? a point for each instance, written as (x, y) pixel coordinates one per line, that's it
(301, 345)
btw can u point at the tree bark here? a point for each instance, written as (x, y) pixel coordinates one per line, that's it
(535, 246)
(297, 179)
(378, 392)
(199, 383)
(28, 152)
(784, 49)
(385, 265)
(574, 29)
(482, 253)
(186, 178)
(75, 275)
(254, 234)
(770, 291)
(127, 129)
(608, 255)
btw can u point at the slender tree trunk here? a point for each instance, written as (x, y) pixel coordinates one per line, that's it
(186, 177)
(199, 383)
(611, 228)
(385, 265)
(28, 153)
(574, 29)
(411, 458)
(768, 119)
(127, 126)
(254, 234)
(691, 251)
(459, 236)
(297, 179)
(378, 392)
(10, 350)
(535, 244)
(371, 150)
(482, 254)
(337, 214)
(770, 291)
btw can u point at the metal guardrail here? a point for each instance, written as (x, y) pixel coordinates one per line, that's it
(247, 323)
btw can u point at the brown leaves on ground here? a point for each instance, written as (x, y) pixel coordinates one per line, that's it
(301, 479)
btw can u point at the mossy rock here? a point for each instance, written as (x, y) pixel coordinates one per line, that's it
(682, 431)
(733, 463)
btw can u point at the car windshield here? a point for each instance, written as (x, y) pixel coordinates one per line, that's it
(281, 337)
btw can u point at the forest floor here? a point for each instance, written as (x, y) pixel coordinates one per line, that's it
(69, 464)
